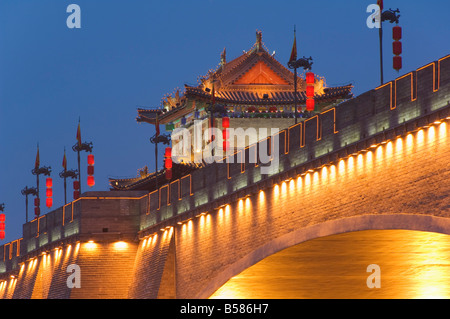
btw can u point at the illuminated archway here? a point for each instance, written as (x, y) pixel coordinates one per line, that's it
(341, 226)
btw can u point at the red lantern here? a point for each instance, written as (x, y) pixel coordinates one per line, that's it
(90, 181)
(310, 104)
(225, 134)
(168, 152)
(37, 201)
(2, 235)
(49, 192)
(90, 170)
(37, 211)
(2, 218)
(2, 226)
(49, 182)
(76, 195)
(168, 163)
(226, 145)
(397, 47)
(49, 202)
(169, 174)
(226, 122)
(309, 78)
(397, 63)
(397, 33)
(76, 185)
(310, 91)
(90, 159)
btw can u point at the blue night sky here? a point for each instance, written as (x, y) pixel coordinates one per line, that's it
(129, 54)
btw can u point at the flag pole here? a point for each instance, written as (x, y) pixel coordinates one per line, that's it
(156, 150)
(295, 81)
(65, 170)
(380, 33)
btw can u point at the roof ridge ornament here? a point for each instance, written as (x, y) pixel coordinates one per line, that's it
(223, 57)
(258, 40)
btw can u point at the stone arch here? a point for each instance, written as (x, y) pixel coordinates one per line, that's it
(416, 222)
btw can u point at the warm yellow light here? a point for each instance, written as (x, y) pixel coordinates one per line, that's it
(227, 209)
(90, 245)
(283, 187)
(120, 245)
(409, 140)
(360, 162)
(332, 173)
(431, 133)
(324, 173)
(443, 129)
(389, 149)
(291, 185)
(399, 145)
(420, 137)
(261, 195)
(315, 177)
(379, 153)
(299, 182)
(307, 179)
(350, 164)
(276, 191)
(341, 167)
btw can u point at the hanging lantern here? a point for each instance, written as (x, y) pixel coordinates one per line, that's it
(2, 226)
(90, 181)
(309, 78)
(76, 194)
(397, 33)
(397, 63)
(76, 185)
(90, 159)
(90, 170)
(49, 192)
(37, 201)
(168, 163)
(310, 103)
(168, 152)
(310, 91)
(397, 47)
(225, 134)
(225, 122)
(37, 212)
(226, 145)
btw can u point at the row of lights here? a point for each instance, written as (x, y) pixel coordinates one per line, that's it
(310, 171)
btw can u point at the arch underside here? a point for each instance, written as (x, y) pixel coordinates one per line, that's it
(412, 222)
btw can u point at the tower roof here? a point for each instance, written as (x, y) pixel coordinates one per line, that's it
(253, 78)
